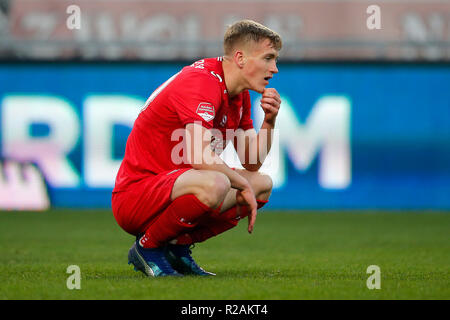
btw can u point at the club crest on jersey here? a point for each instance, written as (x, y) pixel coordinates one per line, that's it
(206, 111)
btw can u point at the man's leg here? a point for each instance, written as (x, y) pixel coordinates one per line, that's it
(195, 193)
(228, 217)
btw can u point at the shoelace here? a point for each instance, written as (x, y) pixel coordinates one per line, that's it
(186, 252)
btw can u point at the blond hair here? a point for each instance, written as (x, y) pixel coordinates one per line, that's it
(243, 31)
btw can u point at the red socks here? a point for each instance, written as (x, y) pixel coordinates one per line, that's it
(181, 215)
(214, 224)
(190, 221)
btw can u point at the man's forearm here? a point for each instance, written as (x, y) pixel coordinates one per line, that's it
(265, 136)
(263, 141)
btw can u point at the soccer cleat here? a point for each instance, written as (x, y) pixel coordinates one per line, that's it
(152, 262)
(181, 260)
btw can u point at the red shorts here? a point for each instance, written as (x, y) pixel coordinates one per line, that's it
(136, 208)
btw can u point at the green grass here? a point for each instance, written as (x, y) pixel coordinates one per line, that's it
(320, 255)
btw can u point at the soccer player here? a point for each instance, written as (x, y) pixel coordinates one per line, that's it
(172, 189)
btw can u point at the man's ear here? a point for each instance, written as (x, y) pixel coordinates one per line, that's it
(239, 58)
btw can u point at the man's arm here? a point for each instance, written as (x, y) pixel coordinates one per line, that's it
(253, 148)
(201, 157)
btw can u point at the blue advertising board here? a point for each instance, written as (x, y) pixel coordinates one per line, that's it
(348, 135)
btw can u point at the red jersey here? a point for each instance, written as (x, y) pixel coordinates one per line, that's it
(196, 94)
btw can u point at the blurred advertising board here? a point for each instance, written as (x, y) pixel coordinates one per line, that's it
(348, 135)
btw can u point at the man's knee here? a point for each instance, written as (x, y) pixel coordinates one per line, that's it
(212, 188)
(262, 185)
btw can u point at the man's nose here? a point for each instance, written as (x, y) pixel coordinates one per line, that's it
(274, 68)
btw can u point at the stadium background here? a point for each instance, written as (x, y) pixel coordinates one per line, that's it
(365, 119)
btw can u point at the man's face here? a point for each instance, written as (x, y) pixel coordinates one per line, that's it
(260, 65)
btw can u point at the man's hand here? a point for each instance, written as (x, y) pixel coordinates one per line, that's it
(270, 103)
(246, 197)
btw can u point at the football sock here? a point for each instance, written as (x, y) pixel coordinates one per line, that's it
(181, 215)
(214, 224)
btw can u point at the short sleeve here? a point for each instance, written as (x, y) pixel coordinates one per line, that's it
(246, 120)
(196, 98)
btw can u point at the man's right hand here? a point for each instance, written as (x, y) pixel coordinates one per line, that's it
(246, 197)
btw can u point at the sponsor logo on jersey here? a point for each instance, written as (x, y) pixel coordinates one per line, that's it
(206, 111)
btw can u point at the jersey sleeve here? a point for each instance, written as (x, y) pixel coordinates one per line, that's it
(246, 120)
(197, 98)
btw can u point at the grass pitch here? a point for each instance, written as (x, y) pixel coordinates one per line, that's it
(290, 255)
